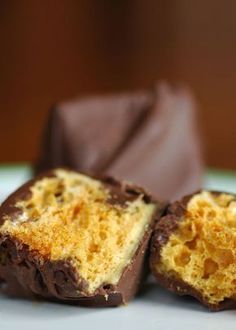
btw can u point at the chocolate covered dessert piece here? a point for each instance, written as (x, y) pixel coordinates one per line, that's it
(148, 137)
(193, 249)
(68, 236)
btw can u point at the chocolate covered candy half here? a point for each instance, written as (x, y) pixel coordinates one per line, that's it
(71, 237)
(193, 249)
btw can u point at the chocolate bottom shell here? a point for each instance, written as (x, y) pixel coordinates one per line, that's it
(70, 237)
(193, 249)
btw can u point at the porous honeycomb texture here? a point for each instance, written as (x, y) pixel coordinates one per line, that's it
(202, 250)
(69, 217)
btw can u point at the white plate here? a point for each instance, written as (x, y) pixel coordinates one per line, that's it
(155, 308)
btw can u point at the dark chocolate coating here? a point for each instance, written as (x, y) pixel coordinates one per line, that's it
(88, 134)
(164, 227)
(148, 137)
(27, 273)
